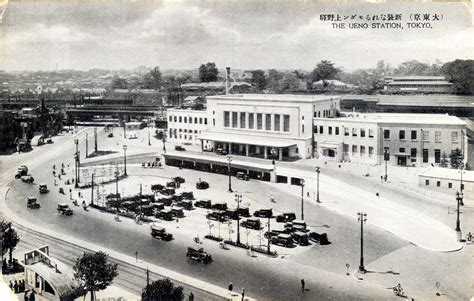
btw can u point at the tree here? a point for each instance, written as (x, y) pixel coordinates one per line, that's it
(162, 290)
(208, 72)
(461, 74)
(153, 79)
(457, 158)
(118, 83)
(290, 82)
(10, 239)
(259, 80)
(444, 160)
(323, 71)
(274, 80)
(412, 67)
(94, 272)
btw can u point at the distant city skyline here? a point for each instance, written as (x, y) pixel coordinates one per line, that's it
(171, 35)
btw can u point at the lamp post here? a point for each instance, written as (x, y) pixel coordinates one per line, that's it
(386, 157)
(362, 219)
(92, 189)
(229, 159)
(269, 237)
(77, 162)
(116, 183)
(459, 197)
(461, 186)
(318, 170)
(238, 199)
(302, 198)
(273, 153)
(125, 159)
(149, 142)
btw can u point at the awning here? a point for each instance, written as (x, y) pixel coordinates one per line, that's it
(246, 139)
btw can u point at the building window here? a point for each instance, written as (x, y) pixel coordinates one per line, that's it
(226, 119)
(337, 130)
(346, 131)
(185, 119)
(315, 129)
(286, 123)
(345, 147)
(354, 149)
(251, 121)
(185, 137)
(401, 135)
(438, 183)
(362, 132)
(268, 122)
(171, 133)
(195, 131)
(180, 119)
(213, 122)
(354, 132)
(437, 153)
(259, 121)
(171, 118)
(450, 185)
(200, 120)
(438, 136)
(234, 119)
(371, 151)
(329, 130)
(426, 135)
(454, 136)
(413, 135)
(362, 150)
(190, 120)
(371, 133)
(321, 129)
(276, 123)
(185, 130)
(195, 120)
(205, 120)
(386, 134)
(401, 149)
(302, 128)
(413, 153)
(180, 130)
(427, 182)
(242, 120)
(175, 118)
(425, 155)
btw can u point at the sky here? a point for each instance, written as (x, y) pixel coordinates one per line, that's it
(242, 35)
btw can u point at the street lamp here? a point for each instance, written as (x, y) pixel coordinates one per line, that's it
(116, 184)
(318, 170)
(273, 153)
(362, 219)
(125, 159)
(459, 197)
(229, 159)
(92, 189)
(77, 162)
(238, 199)
(302, 198)
(149, 142)
(386, 157)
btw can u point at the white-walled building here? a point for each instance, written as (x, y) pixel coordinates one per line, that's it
(264, 125)
(184, 125)
(448, 180)
(409, 139)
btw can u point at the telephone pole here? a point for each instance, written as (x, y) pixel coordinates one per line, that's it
(362, 219)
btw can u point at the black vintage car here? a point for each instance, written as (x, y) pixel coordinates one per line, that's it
(177, 212)
(188, 205)
(179, 148)
(165, 201)
(202, 185)
(172, 184)
(31, 203)
(296, 225)
(275, 233)
(203, 204)
(165, 214)
(219, 206)
(232, 213)
(187, 195)
(179, 180)
(160, 232)
(252, 223)
(284, 240)
(168, 191)
(286, 217)
(243, 211)
(263, 213)
(321, 239)
(300, 238)
(219, 216)
(64, 209)
(199, 255)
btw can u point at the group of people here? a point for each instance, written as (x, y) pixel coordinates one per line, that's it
(19, 287)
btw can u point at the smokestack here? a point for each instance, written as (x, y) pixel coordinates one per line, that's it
(227, 78)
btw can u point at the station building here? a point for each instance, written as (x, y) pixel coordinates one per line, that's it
(185, 125)
(408, 139)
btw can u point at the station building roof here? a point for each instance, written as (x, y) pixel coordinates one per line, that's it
(275, 97)
(440, 119)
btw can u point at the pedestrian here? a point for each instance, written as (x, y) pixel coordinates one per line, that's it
(377, 194)
(381, 179)
(385, 178)
(307, 194)
(11, 284)
(191, 297)
(302, 285)
(32, 295)
(231, 286)
(15, 287)
(243, 293)
(22, 286)
(26, 296)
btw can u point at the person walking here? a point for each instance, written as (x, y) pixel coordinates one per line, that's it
(243, 293)
(15, 287)
(231, 287)
(11, 284)
(302, 285)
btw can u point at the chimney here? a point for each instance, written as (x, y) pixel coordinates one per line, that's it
(227, 78)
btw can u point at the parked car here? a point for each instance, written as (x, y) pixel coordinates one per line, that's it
(300, 238)
(286, 217)
(252, 223)
(168, 191)
(110, 135)
(284, 240)
(217, 216)
(165, 201)
(232, 213)
(160, 232)
(221, 151)
(31, 203)
(172, 184)
(219, 206)
(64, 209)
(179, 180)
(274, 233)
(165, 214)
(43, 188)
(243, 211)
(199, 255)
(21, 171)
(202, 185)
(242, 176)
(158, 206)
(27, 179)
(263, 213)
(177, 212)
(321, 239)
(203, 204)
(49, 141)
(187, 195)
(188, 205)
(296, 225)
(179, 148)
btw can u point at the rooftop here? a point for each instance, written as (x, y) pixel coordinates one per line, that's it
(275, 97)
(417, 100)
(420, 82)
(415, 78)
(403, 118)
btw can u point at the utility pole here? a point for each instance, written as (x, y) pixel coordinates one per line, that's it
(268, 240)
(77, 162)
(229, 159)
(92, 189)
(459, 197)
(362, 219)
(125, 159)
(238, 199)
(140, 199)
(149, 142)
(302, 198)
(147, 277)
(318, 170)
(386, 157)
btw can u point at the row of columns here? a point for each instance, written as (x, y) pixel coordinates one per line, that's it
(247, 147)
